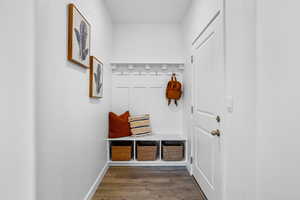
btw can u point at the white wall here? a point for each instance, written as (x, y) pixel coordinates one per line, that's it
(239, 136)
(190, 26)
(278, 100)
(146, 94)
(147, 42)
(16, 108)
(71, 127)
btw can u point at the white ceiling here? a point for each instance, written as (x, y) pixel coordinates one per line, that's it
(147, 11)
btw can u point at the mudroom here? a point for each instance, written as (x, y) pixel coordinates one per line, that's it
(149, 100)
(165, 115)
(130, 99)
(165, 119)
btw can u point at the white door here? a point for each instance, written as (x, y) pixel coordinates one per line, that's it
(208, 98)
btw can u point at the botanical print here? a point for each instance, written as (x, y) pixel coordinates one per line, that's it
(79, 38)
(96, 78)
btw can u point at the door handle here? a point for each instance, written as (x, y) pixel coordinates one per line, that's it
(215, 132)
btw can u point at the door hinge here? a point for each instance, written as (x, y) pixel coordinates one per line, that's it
(218, 119)
(191, 160)
(192, 109)
(192, 59)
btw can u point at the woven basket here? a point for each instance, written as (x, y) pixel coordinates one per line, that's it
(146, 153)
(173, 153)
(121, 153)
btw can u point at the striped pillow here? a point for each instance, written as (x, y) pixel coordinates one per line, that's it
(140, 124)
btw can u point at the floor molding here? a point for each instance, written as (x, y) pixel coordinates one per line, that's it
(189, 168)
(200, 189)
(96, 184)
(147, 164)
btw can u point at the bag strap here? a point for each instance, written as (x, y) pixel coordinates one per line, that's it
(174, 77)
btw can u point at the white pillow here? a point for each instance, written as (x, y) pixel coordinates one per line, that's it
(140, 124)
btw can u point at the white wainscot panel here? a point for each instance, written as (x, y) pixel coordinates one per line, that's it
(146, 94)
(120, 103)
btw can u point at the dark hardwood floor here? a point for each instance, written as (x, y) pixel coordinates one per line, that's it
(148, 183)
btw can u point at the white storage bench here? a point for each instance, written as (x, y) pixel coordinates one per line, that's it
(159, 140)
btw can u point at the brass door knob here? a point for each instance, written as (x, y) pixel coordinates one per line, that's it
(215, 132)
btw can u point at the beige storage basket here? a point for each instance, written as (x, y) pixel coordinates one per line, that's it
(147, 151)
(173, 152)
(121, 152)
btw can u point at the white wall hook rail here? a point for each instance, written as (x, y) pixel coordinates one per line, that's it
(157, 69)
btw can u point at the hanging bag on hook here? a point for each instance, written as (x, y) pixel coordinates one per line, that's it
(173, 91)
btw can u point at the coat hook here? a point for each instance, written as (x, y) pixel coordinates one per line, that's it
(130, 67)
(181, 67)
(164, 67)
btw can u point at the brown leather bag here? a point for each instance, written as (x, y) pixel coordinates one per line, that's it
(173, 90)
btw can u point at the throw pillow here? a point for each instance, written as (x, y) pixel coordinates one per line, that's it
(140, 124)
(118, 125)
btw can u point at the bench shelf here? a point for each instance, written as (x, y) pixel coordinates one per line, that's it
(159, 140)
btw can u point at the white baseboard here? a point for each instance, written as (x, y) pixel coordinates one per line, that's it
(97, 182)
(189, 168)
(146, 163)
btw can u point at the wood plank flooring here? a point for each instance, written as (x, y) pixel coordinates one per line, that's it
(148, 183)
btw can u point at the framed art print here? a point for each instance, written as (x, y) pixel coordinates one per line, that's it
(96, 78)
(79, 38)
